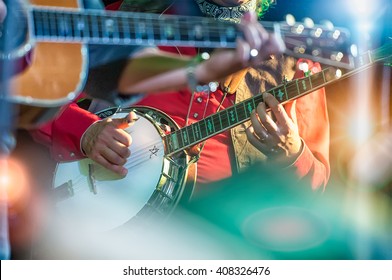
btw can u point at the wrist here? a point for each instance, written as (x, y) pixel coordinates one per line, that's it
(192, 80)
(196, 80)
(85, 135)
(294, 158)
(195, 73)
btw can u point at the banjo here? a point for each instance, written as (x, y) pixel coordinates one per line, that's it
(162, 165)
(157, 179)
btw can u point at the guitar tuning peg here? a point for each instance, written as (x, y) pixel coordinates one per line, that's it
(327, 24)
(308, 22)
(290, 19)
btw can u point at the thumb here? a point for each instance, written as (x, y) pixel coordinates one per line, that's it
(125, 122)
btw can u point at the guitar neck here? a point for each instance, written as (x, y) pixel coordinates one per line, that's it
(124, 28)
(239, 113)
(127, 28)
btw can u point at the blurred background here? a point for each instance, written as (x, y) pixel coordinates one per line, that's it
(352, 219)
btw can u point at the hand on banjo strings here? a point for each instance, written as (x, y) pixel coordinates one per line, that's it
(275, 135)
(107, 143)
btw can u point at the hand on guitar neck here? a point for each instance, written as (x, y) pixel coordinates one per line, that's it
(255, 46)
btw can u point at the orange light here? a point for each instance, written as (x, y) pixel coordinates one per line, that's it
(15, 189)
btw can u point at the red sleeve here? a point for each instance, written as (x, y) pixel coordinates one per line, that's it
(313, 124)
(114, 6)
(62, 135)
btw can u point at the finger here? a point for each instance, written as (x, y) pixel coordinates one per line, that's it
(109, 148)
(257, 128)
(274, 44)
(122, 136)
(118, 169)
(243, 52)
(116, 148)
(276, 108)
(110, 155)
(120, 148)
(266, 120)
(249, 17)
(121, 143)
(124, 122)
(250, 29)
(254, 140)
(132, 117)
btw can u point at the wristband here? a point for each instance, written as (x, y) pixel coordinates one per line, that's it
(191, 78)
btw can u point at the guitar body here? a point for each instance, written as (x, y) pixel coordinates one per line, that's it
(88, 194)
(53, 76)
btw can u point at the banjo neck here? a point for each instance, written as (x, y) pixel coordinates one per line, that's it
(239, 113)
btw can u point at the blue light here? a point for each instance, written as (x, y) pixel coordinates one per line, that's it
(363, 8)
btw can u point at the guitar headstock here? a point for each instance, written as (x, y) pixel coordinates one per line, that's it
(323, 43)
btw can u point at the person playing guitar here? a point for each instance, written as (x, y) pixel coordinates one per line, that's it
(293, 136)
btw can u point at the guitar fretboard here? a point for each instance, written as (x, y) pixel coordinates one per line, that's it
(105, 27)
(129, 28)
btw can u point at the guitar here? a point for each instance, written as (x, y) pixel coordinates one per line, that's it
(58, 31)
(160, 162)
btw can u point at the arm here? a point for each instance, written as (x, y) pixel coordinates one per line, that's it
(159, 71)
(77, 134)
(313, 125)
(298, 137)
(63, 134)
(311, 115)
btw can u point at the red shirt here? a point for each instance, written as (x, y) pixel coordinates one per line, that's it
(214, 163)
(217, 158)
(63, 134)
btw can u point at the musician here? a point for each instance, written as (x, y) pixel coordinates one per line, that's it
(104, 141)
(294, 136)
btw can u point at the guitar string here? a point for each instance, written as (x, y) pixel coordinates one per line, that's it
(159, 27)
(138, 159)
(153, 24)
(131, 16)
(144, 16)
(217, 35)
(102, 33)
(211, 39)
(134, 160)
(317, 76)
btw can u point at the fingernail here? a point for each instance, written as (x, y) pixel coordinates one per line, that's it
(132, 120)
(124, 172)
